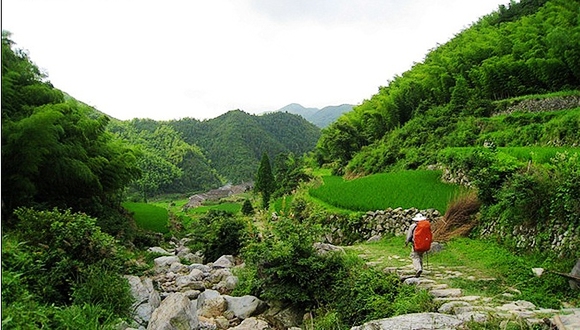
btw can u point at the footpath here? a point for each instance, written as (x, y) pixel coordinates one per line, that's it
(456, 308)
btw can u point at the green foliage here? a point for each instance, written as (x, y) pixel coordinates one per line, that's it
(59, 245)
(169, 164)
(232, 208)
(339, 289)
(149, 217)
(365, 294)
(508, 269)
(99, 286)
(286, 266)
(533, 51)
(234, 142)
(59, 271)
(247, 208)
(218, 233)
(55, 152)
(420, 189)
(85, 316)
(289, 173)
(265, 182)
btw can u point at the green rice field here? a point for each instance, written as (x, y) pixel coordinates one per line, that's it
(406, 189)
(148, 216)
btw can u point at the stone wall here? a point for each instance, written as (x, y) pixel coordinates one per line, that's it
(560, 238)
(374, 224)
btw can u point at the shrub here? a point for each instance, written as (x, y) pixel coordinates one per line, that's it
(58, 246)
(341, 289)
(364, 294)
(218, 233)
(98, 285)
(247, 208)
(287, 267)
(85, 316)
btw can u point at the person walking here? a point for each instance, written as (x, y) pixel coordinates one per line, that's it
(420, 237)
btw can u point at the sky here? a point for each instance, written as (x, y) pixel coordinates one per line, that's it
(173, 59)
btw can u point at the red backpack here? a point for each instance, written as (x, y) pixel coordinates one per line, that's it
(422, 237)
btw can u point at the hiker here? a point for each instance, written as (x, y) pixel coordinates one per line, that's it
(420, 236)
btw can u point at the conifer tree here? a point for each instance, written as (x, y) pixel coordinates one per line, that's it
(265, 183)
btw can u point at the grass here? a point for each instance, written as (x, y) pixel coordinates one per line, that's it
(406, 189)
(486, 268)
(538, 155)
(148, 216)
(229, 207)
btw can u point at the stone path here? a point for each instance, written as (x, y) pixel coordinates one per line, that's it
(482, 309)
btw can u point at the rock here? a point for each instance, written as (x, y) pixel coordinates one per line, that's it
(186, 282)
(323, 248)
(175, 313)
(203, 268)
(375, 238)
(210, 304)
(226, 261)
(417, 321)
(227, 285)
(252, 324)
(219, 274)
(575, 272)
(449, 308)
(441, 293)
(146, 298)
(538, 271)
(244, 307)
(177, 267)
(157, 249)
(162, 263)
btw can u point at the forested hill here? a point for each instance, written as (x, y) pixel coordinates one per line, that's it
(235, 141)
(190, 155)
(451, 99)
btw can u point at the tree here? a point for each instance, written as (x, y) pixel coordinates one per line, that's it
(57, 152)
(247, 208)
(265, 183)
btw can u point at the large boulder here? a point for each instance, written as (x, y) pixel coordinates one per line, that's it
(210, 304)
(146, 298)
(163, 263)
(244, 307)
(176, 312)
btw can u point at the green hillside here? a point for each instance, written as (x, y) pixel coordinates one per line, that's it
(234, 142)
(513, 56)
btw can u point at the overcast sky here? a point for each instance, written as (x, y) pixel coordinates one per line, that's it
(191, 58)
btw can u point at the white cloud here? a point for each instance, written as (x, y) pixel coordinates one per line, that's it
(179, 58)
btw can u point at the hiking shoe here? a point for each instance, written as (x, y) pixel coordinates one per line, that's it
(418, 273)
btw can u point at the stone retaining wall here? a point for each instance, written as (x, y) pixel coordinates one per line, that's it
(562, 238)
(374, 224)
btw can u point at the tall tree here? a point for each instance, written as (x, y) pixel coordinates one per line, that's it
(265, 183)
(55, 152)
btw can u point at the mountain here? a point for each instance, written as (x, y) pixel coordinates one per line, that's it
(234, 142)
(319, 117)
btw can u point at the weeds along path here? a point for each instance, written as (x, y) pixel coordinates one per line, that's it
(478, 297)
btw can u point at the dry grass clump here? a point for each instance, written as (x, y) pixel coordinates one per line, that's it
(459, 218)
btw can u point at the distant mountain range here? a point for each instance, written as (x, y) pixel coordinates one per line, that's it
(319, 117)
